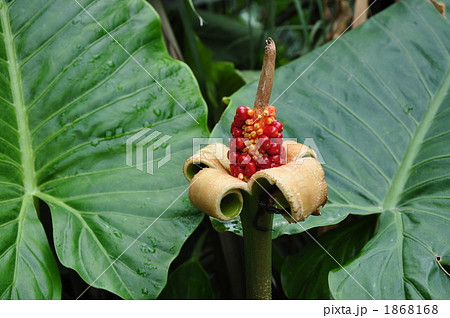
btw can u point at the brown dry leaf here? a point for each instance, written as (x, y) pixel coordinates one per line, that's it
(326, 10)
(360, 12)
(341, 19)
(440, 7)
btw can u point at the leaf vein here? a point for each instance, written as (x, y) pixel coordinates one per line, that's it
(400, 44)
(349, 145)
(57, 76)
(87, 92)
(359, 186)
(381, 80)
(354, 115)
(56, 133)
(61, 29)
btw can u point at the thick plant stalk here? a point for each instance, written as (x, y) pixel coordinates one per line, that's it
(258, 244)
(258, 251)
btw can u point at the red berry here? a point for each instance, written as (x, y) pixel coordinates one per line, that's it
(232, 144)
(263, 162)
(278, 125)
(233, 157)
(274, 149)
(240, 143)
(242, 113)
(236, 132)
(250, 169)
(237, 170)
(275, 159)
(271, 131)
(244, 159)
(237, 122)
(263, 142)
(265, 149)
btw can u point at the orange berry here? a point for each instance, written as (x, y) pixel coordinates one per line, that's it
(271, 110)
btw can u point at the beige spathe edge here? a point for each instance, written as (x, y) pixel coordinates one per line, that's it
(301, 181)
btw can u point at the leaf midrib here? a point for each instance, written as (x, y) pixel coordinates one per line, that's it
(25, 144)
(403, 172)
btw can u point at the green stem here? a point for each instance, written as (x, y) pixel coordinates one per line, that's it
(258, 251)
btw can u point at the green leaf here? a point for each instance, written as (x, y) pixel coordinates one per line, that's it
(216, 79)
(376, 104)
(228, 39)
(343, 243)
(188, 281)
(70, 97)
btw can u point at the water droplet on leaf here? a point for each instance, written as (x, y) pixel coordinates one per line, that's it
(142, 272)
(147, 249)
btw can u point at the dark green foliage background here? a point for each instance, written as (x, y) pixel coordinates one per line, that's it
(376, 103)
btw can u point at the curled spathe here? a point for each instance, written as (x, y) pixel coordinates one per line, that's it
(214, 191)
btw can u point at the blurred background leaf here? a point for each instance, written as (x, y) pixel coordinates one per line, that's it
(305, 275)
(188, 281)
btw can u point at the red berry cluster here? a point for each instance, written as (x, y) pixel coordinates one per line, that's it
(257, 142)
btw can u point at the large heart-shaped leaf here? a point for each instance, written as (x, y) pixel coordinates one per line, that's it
(71, 96)
(376, 104)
